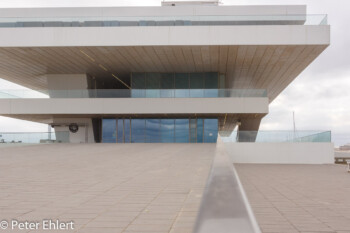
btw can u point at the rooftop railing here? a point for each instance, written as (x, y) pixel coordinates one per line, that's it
(134, 93)
(276, 136)
(33, 137)
(140, 21)
(255, 136)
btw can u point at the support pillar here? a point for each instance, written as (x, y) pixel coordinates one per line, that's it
(248, 129)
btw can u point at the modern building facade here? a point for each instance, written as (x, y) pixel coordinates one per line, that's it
(180, 72)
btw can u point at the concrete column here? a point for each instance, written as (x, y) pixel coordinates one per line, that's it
(67, 85)
(70, 86)
(248, 129)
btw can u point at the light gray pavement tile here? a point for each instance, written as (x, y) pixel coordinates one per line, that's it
(117, 188)
(305, 198)
(100, 230)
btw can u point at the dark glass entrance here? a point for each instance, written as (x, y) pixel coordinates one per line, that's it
(155, 130)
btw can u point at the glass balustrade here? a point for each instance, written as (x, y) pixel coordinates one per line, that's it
(276, 136)
(33, 137)
(158, 21)
(134, 93)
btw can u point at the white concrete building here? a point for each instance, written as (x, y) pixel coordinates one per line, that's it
(179, 72)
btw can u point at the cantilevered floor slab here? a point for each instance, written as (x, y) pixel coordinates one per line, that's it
(298, 198)
(106, 187)
(251, 57)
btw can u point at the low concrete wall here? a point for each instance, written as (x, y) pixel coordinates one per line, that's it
(85, 133)
(342, 154)
(281, 153)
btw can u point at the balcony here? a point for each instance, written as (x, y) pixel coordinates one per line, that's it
(134, 93)
(88, 103)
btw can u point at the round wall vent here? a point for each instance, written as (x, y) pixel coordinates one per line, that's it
(73, 128)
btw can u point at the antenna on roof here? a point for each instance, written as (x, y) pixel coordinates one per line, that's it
(294, 128)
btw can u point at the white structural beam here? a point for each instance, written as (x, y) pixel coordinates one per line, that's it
(154, 11)
(135, 106)
(166, 36)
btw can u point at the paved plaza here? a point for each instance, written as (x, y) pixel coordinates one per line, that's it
(298, 198)
(158, 188)
(105, 187)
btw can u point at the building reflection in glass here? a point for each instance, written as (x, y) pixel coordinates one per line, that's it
(155, 130)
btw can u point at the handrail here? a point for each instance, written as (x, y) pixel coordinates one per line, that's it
(224, 206)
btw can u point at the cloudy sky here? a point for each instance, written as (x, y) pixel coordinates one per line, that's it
(320, 96)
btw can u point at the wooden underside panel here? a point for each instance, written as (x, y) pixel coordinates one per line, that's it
(246, 67)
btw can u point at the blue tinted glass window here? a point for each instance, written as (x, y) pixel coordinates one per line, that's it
(197, 85)
(138, 81)
(138, 93)
(109, 130)
(126, 130)
(182, 81)
(211, 93)
(152, 80)
(211, 83)
(167, 130)
(211, 80)
(197, 93)
(210, 130)
(182, 85)
(153, 130)
(182, 130)
(138, 130)
(120, 128)
(193, 130)
(167, 81)
(196, 81)
(152, 85)
(167, 85)
(200, 130)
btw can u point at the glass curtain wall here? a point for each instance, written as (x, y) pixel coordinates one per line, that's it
(210, 130)
(167, 130)
(182, 130)
(176, 85)
(109, 134)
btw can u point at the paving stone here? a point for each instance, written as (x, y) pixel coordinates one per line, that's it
(305, 198)
(106, 187)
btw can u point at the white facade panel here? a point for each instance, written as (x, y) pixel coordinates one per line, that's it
(134, 106)
(154, 11)
(166, 36)
(281, 153)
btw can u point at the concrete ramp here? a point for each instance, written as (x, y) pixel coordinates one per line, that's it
(224, 207)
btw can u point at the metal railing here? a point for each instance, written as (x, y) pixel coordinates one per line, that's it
(139, 21)
(224, 206)
(34, 137)
(134, 93)
(276, 136)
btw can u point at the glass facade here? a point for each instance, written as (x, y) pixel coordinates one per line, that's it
(180, 85)
(181, 130)
(120, 130)
(167, 130)
(210, 130)
(109, 134)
